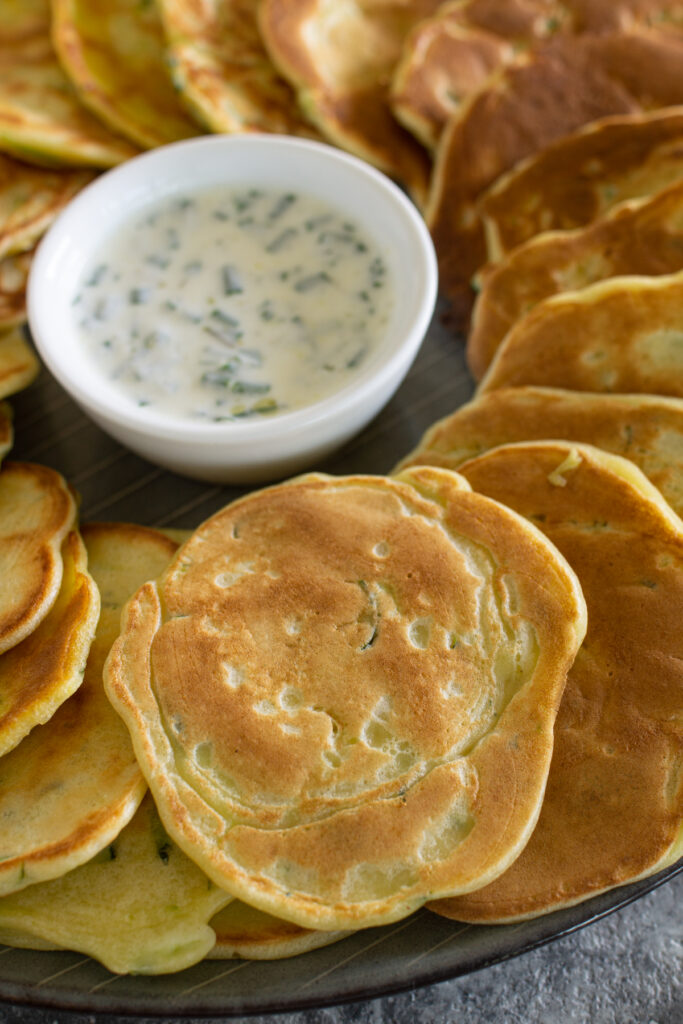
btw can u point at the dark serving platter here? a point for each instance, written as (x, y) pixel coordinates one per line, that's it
(425, 948)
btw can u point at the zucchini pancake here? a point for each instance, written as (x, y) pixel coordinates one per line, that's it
(342, 692)
(613, 808)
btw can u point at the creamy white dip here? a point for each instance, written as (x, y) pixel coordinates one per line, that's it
(234, 302)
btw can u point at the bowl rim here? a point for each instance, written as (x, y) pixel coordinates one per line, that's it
(166, 426)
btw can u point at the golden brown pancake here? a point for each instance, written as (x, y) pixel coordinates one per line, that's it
(580, 177)
(139, 906)
(546, 94)
(6, 429)
(342, 692)
(448, 56)
(339, 59)
(113, 52)
(249, 934)
(37, 511)
(30, 199)
(613, 806)
(222, 71)
(41, 672)
(18, 365)
(70, 786)
(41, 118)
(639, 237)
(647, 429)
(620, 335)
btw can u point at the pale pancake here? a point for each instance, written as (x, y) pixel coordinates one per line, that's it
(544, 95)
(613, 808)
(248, 934)
(30, 199)
(647, 429)
(139, 906)
(41, 672)
(18, 365)
(342, 692)
(41, 118)
(447, 57)
(580, 177)
(620, 335)
(113, 52)
(37, 511)
(84, 751)
(639, 237)
(222, 71)
(339, 59)
(450, 55)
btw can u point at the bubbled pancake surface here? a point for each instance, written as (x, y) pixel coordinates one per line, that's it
(37, 510)
(639, 237)
(139, 906)
(94, 784)
(620, 335)
(113, 52)
(647, 429)
(30, 199)
(613, 807)
(339, 59)
(249, 934)
(41, 117)
(580, 177)
(41, 672)
(222, 71)
(342, 692)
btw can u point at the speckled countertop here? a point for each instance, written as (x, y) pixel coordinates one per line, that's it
(624, 969)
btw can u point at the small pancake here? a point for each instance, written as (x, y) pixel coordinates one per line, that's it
(30, 199)
(547, 93)
(248, 934)
(41, 672)
(450, 55)
(222, 71)
(613, 808)
(18, 365)
(639, 237)
(620, 335)
(647, 429)
(37, 511)
(339, 59)
(342, 692)
(84, 750)
(113, 52)
(41, 118)
(139, 906)
(580, 177)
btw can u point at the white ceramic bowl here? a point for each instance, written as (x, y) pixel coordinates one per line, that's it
(253, 450)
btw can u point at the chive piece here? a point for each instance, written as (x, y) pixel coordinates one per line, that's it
(139, 296)
(282, 205)
(231, 282)
(247, 387)
(97, 275)
(281, 241)
(305, 284)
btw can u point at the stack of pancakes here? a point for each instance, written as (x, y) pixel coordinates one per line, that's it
(340, 699)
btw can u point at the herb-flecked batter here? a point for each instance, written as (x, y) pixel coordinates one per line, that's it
(232, 303)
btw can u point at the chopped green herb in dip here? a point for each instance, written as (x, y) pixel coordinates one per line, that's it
(234, 303)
